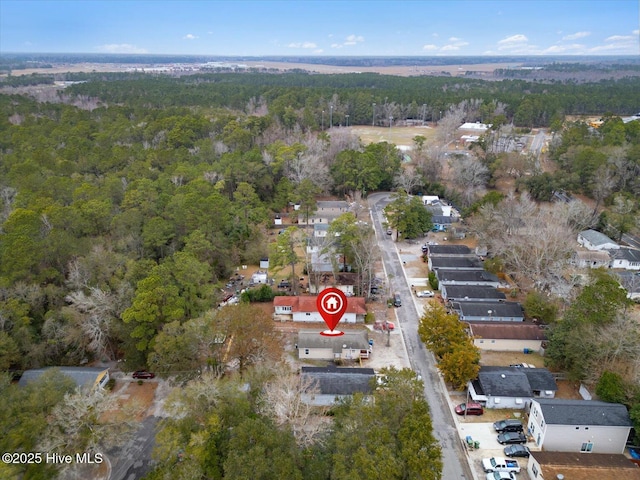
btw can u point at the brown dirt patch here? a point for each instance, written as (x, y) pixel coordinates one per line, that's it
(133, 400)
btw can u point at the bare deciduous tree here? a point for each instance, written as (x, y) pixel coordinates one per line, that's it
(100, 310)
(469, 175)
(534, 242)
(287, 400)
(408, 178)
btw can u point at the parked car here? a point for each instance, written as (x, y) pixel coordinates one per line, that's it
(499, 464)
(470, 408)
(508, 425)
(517, 451)
(397, 301)
(501, 476)
(384, 326)
(143, 374)
(284, 284)
(424, 294)
(509, 438)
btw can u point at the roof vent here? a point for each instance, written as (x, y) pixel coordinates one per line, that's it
(560, 476)
(503, 375)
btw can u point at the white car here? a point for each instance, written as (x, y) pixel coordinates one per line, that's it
(424, 294)
(501, 476)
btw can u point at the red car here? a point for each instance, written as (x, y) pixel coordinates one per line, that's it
(143, 374)
(470, 408)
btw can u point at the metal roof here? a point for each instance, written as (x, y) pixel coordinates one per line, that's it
(595, 238)
(82, 376)
(482, 309)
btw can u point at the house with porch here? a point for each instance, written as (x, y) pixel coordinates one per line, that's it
(304, 309)
(511, 387)
(353, 345)
(579, 426)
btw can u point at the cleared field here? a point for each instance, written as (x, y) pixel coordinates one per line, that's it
(400, 136)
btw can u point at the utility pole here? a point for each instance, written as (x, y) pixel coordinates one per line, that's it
(373, 122)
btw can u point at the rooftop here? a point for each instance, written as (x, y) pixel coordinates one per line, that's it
(459, 292)
(83, 376)
(446, 274)
(449, 250)
(353, 339)
(456, 262)
(584, 412)
(629, 254)
(578, 466)
(490, 309)
(595, 238)
(340, 381)
(507, 331)
(308, 304)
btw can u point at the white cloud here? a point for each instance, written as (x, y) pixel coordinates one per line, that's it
(576, 36)
(319, 50)
(430, 47)
(513, 40)
(302, 45)
(189, 36)
(454, 45)
(349, 41)
(454, 39)
(619, 44)
(120, 48)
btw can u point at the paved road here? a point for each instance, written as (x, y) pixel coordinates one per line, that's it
(133, 460)
(455, 464)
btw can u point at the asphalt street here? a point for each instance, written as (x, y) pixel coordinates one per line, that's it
(455, 463)
(133, 460)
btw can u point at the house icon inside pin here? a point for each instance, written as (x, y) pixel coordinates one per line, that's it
(332, 303)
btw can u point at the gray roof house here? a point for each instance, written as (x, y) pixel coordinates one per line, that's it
(594, 240)
(449, 250)
(507, 336)
(334, 383)
(454, 263)
(471, 293)
(626, 258)
(447, 276)
(353, 345)
(84, 377)
(585, 426)
(489, 311)
(326, 211)
(511, 387)
(590, 258)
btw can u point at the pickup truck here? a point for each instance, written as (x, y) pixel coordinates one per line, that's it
(499, 464)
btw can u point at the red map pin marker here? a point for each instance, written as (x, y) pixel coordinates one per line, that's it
(331, 303)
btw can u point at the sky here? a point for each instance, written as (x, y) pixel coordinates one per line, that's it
(322, 28)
